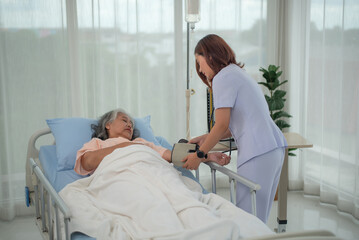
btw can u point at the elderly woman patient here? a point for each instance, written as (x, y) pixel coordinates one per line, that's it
(116, 129)
(134, 192)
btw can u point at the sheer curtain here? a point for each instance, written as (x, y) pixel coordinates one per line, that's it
(321, 59)
(81, 58)
(34, 86)
(331, 168)
(126, 58)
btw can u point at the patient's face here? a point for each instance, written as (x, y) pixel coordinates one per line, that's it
(204, 68)
(122, 126)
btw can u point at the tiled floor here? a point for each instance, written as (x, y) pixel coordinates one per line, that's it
(307, 213)
(20, 228)
(304, 213)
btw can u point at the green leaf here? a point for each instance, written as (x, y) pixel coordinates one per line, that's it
(263, 70)
(279, 94)
(276, 84)
(275, 104)
(272, 68)
(273, 85)
(280, 114)
(267, 98)
(265, 84)
(270, 86)
(272, 76)
(282, 124)
(290, 152)
(266, 76)
(279, 73)
(282, 83)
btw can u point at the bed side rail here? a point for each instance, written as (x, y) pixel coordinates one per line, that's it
(233, 176)
(302, 235)
(33, 152)
(47, 203)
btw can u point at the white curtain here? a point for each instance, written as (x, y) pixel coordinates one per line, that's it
(125, 52)
(321, 57)
(331, 168)
(34, 86)
(81, 58)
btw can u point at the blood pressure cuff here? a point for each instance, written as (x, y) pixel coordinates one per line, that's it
(180, 151)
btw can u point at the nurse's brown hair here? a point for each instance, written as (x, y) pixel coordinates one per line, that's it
(217, 53)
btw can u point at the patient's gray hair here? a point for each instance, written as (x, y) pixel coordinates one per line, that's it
(100, 131)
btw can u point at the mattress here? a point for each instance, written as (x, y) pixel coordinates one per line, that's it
(58, 179)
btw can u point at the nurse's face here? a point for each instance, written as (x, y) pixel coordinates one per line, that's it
(204, 68)
(122, 126)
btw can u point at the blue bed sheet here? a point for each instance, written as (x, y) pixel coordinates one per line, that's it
(58, 179)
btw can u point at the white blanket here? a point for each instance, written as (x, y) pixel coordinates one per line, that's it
(135, 194)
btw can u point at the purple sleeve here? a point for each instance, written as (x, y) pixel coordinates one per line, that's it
(224, 92)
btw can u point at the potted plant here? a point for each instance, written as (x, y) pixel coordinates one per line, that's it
(275, 99)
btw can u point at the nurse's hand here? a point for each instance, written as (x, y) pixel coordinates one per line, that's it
(191, 161)
(199, 140)
(218, 157)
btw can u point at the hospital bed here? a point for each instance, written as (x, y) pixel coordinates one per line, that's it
(46, 176)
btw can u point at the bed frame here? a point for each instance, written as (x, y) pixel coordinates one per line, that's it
(51, 211)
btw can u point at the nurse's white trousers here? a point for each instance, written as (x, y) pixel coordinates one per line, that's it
(264, 170)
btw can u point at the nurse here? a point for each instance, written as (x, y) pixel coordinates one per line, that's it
(241, 112)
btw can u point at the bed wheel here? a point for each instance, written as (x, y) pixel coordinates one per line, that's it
(27, 197)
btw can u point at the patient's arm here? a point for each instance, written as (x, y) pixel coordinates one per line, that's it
(218, 157)
(167, 155)
(91, 159)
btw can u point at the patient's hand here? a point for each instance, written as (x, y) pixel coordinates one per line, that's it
(218, 157)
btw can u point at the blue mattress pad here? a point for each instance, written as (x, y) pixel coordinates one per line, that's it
(58, 179)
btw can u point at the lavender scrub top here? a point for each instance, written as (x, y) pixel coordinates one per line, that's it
(251, 125)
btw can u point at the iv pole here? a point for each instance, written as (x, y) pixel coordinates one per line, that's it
(189, 92)
(192, 16)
